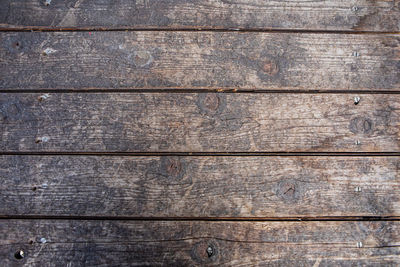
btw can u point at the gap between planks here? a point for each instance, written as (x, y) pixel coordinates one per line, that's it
(205, 154)
(200, 90)
(191, 29)
(210, 219)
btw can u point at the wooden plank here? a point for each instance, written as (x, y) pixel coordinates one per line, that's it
(358, 15)
(257, 187)
(201, 122)
(199, 60)
(180, 243)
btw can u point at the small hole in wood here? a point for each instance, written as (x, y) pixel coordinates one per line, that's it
(30, 242)
(16, 45)
(34, 188)
(19, 255)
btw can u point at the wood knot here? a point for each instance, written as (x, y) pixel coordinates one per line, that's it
(289, 190)
(142, 58)
(10, 111)
(211, 103)
(361, 125)
(270, 67)
(205, 252)
(172, 167)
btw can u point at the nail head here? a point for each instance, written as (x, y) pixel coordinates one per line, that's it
(19, 254)
(210, 251)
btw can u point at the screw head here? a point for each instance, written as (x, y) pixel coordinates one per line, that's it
(357, 189)
(359, 244)
(358, 142)
(19, 254)
(354, 8)
(43, 240)
(357, 100)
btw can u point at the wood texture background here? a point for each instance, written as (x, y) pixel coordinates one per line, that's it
(151, 132)
(213, 122)
(199, 60)
(342, 15)
(105, 243)
(252, 187)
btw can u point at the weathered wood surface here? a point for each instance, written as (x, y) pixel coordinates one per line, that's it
(358, 15)
(200, 122)
(200, 186)
(180, 243)
(199, 60)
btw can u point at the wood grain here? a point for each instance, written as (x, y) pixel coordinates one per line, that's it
(201, 122)
(256, 187)
(161, 243)
(199, 60)
(358, 15)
